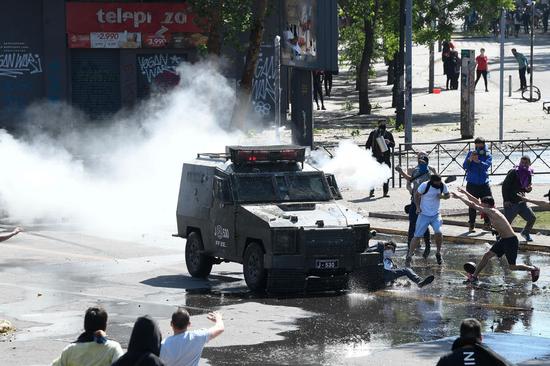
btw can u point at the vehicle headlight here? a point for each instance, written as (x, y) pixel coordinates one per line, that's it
(284, 242)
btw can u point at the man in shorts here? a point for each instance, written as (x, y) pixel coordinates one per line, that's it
(507, 244)
(427, 199)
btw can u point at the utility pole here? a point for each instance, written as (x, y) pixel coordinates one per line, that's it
(432, 67)
(501, 104)
(277, 59)
(400, 109)
(408, 81)
(532, 44)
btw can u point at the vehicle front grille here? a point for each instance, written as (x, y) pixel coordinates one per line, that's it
(328, 242)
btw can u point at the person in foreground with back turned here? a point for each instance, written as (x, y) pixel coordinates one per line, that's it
(507, 244)
(468, 349)
(144, 345)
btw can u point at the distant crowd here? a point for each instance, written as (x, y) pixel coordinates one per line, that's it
(146, 347)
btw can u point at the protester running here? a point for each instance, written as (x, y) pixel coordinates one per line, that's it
(518, 181)
(414, 177)
(477, 165)
(428, 201)
(507, 244)
(482, 67)
(381, 142)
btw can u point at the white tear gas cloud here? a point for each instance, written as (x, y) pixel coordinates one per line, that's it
(354, 167)
(122, 174)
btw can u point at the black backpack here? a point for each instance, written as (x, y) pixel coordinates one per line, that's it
(429, 185)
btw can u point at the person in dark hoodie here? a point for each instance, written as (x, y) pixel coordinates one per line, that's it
(518, 181)
(92, 348)
(381, 150)
(476, 165)
(144, 345)
(468, 349)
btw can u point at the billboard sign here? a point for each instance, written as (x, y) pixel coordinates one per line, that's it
(309, 31)
(131, 25)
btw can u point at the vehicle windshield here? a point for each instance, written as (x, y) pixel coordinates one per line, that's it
(282, 187)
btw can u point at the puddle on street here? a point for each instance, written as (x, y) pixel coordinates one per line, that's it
(359, 323)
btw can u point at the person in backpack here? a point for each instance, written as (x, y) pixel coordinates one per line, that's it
(415, 177)
(144, 345)
(477, 164)
(468, 349)
(381, 156)
(518, 182)
(428, 201)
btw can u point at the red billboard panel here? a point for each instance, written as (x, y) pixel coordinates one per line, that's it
(150, 18)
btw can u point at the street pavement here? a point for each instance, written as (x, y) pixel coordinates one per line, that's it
(50, 274)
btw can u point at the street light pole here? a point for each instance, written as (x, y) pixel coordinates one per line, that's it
(400, 108)
(532, 44)
(501, 105)
(408, 81)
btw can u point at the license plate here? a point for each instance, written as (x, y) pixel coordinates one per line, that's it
(326, 263)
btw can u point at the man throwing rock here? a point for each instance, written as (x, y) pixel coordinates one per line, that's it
(507, 244)
(428, 200)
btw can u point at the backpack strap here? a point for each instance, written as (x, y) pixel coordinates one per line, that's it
(429, 185)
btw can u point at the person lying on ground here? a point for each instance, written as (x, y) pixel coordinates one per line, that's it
(144, 345)
(468, 349)
(542, 204)
(6, 236)
(92, 348)
(507, 244)
(391, 271)
(185, 346)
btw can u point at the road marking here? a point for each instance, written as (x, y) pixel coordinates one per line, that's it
(59, 253)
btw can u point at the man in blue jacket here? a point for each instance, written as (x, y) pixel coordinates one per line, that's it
(477, 164)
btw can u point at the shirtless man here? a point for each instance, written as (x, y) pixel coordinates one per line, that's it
(507, 244)
(6, 236)
(542, 204)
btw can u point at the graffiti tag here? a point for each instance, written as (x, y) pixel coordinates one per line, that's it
(263, 85)
(155, 65)
(14, 64)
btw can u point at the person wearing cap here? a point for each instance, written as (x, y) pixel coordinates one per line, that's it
(542, 204)
(415, 177)
(477, 165)
(382, 156)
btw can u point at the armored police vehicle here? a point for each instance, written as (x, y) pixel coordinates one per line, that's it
(265, 208)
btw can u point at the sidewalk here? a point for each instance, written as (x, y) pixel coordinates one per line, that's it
(436, 117)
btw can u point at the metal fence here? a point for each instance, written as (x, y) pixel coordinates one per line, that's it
(447, 157)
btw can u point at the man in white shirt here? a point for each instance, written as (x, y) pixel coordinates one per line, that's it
(428, 199)
(92, 348)
(185, 347)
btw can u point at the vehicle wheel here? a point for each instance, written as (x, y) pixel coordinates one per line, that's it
(255, 274)
(198, 264)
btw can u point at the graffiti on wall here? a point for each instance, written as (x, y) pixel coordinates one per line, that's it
(263, 85)
(16, 59)
(151, 66)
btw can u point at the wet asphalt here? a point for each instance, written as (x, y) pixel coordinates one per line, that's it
(49, 276)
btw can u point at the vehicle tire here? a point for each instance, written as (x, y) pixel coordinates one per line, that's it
(255, 274)
(198, 264)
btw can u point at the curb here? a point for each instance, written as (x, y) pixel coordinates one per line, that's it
(381, 215)
(466, 240)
